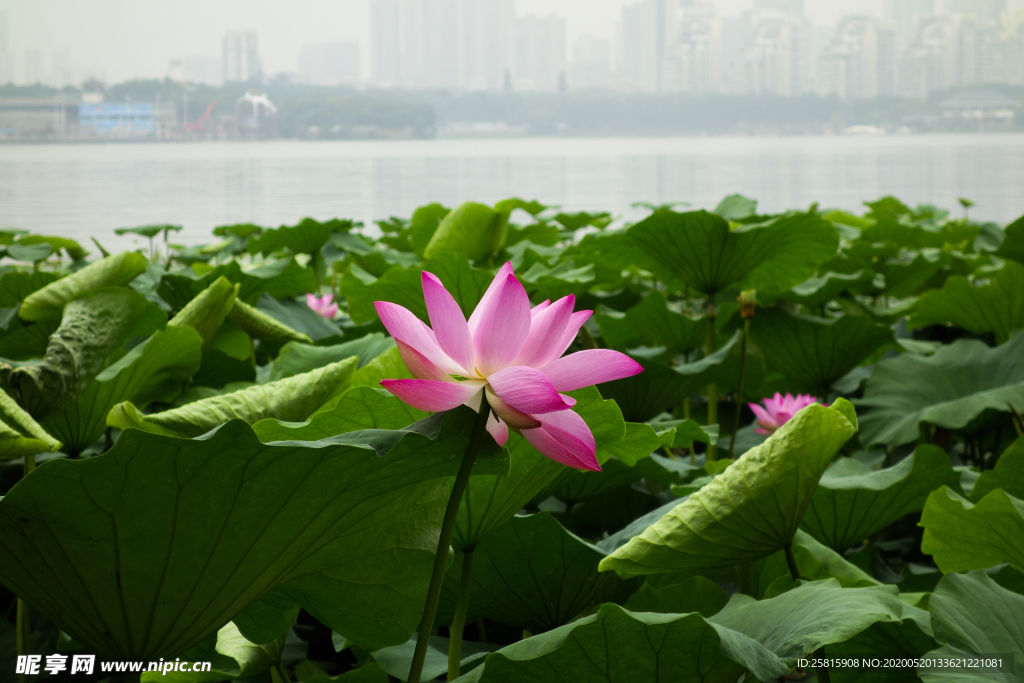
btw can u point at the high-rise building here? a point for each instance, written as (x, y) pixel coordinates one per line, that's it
(905, 14)
(241, 57)
(693, 56)
(638, 53)
(930, 62)
(788, 6)
(591, 63)
(983, 9)
(429, 43)
(330, 63)
(486, 43)
(385, 42)
(6, 57)
(62, 72)
(860, 62)
(776, 54)
(539, 58)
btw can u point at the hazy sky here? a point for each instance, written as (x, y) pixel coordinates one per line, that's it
(123, 39)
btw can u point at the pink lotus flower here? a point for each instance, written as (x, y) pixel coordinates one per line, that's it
(511, 353)
(323, 305)
(778, 411)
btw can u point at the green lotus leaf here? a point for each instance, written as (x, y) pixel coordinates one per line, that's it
(22, 342)
(94, 325)
(267, 619)
(18, 285)
(949, 389)
(697, 594)
(155, 370)
(308, 237)
(358, 408)
(699, 249)
(752, 509)
(149, 231)
(476, 230)
(961, 536)
(297, 315)
(73, 249)
(415, 236)
(20, 435)
(294, 358)
(292, 399)
(904, 279)
(652, 323)
(799, 621)
(765, 638)
(207, 311)
(583, 219)
(149, 549)
(531, 573)
(280, 279)
(1012, 246)
(1008, 474)
(397, 660)
(853, 503)
(259, 325)
(113, 271)
(818, 291)
(662, 387)
(997, 307)
(231, 656)
(33, 253)
(910, 639)
(639, 442)
(404, 286)
(645, 647)
(972, 615)
(814, 353)
(736, 207)
(489, 502)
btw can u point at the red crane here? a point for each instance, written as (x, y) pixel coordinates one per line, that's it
(195, 126)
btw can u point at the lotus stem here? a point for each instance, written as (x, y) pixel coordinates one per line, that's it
(23, 620)
(23, 634)
(739, 393)
(476, 439)
(712, 388)
(686, 416)
(279, 675)
(459, 622)
(794, 568)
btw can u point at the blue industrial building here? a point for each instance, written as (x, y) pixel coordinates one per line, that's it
(117, 118)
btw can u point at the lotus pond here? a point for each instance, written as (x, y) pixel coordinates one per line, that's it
(776, 438)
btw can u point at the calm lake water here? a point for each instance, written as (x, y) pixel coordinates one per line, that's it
(89, 189)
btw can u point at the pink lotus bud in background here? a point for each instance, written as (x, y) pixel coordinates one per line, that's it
(323, 305)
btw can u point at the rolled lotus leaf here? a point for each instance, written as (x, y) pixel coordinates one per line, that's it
(19, 433)
(290, 400)
(113, 271)
(259, 325)
(752, 509)
(207, 311)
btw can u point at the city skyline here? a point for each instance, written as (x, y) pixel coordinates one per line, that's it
(98, 33)
(777, 46)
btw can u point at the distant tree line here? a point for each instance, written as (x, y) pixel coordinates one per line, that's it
(307, 111)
